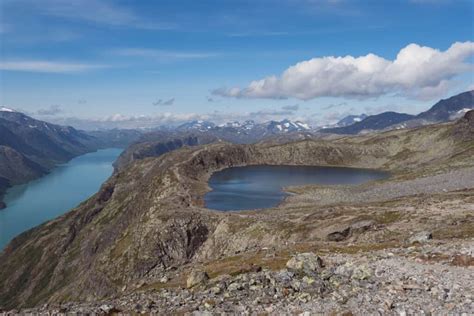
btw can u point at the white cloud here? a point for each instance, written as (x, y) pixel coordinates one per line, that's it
(417, 70)
(47, 66)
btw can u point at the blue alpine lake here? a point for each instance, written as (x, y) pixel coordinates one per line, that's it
(261, 186)
(67, 185)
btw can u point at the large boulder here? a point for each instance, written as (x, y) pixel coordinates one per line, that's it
(353, 229)
(196, 278)
(420, 237)
(305, 263)
(469, 116)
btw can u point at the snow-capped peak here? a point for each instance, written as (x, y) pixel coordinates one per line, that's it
(464, 111)
(4, 109)
(287, 126)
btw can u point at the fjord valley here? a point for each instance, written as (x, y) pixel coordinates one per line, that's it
(145, 241)
(31, 148)
(64, 187)
(290, 157)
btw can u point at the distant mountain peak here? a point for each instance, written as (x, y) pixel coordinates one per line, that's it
(450, 108)
(287, 125)
(372, 122)
(199, 125)
(350, 119)
(5, 109)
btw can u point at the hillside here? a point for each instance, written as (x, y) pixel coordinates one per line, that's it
(155, 144)
(147, 226)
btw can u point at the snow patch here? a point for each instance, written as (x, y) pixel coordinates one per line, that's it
(4, 109)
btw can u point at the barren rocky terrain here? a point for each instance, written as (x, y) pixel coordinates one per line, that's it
(146, 243)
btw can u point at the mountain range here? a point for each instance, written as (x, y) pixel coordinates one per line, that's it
(246, 132)
(250, 131)
(29, 147)
(443, 111)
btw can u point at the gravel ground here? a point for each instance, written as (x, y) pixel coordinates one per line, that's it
(386, 190)
(426, 279)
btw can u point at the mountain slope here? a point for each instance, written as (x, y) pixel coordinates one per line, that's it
(41, 140)
(29, 148)
(445, 110)
(158, 143)
(350, 119)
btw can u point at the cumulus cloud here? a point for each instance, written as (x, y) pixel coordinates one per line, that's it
(47, 66)
(417, 70)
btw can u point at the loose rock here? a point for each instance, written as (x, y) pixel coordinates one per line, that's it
(196, 278)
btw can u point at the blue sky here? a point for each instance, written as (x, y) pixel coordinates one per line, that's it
(140, 63)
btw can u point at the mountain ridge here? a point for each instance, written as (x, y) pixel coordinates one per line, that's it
(442, 111)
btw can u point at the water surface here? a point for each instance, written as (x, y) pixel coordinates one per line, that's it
(254, 187)
(33, 203)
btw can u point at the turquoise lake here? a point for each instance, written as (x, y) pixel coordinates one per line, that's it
(67, 185)
(255, 187)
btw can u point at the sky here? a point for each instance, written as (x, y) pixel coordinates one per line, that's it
(124, 63)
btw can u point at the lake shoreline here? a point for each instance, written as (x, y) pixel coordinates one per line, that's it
(263, 186)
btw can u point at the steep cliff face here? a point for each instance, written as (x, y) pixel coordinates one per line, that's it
(149, 217)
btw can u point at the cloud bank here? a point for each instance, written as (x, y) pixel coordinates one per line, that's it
(417, 71)
(164, 119)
